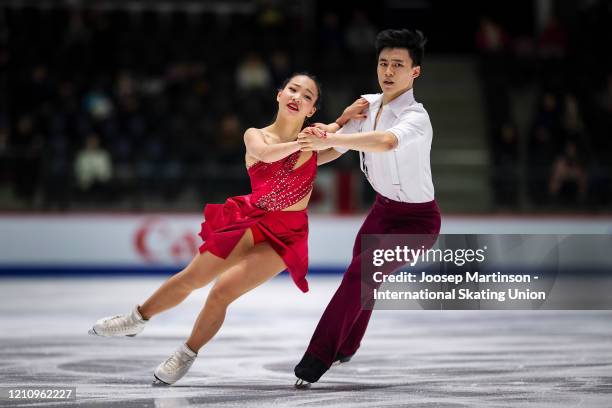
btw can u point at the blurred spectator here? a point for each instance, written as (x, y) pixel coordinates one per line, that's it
(270, 14)
(98, 104)
(603, 141)
(604, 96)
(41, 88)
(553, 40)
(230, 172)
(544, 143)
(57, 172)
(525, 61)
(253, 101)
(548, 114)
(5, 158)
(93, 169)
(572, 125)
(77, 31)
(568, 181)
(27, 147)
(491, 37)
(360, 40)
(540, 158)
(280, 67)
(331, 47)
(330, 33)
(253, 74)
(360, 34)
(506, 163)
(125, 86)
(229, 140)
(492, 42)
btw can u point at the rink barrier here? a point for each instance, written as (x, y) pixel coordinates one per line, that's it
(158, 244)
(96, 272)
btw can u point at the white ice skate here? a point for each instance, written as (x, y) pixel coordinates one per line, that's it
(121, 325)
(175, 367)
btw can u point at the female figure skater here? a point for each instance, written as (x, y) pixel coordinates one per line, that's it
(249, 239)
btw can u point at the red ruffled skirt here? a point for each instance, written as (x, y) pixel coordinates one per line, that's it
(285, 231)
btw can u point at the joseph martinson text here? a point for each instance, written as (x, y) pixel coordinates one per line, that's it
(456, 293)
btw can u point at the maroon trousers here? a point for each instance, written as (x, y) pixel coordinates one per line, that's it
(344, 321)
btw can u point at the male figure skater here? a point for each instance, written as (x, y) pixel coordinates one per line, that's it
(394, 141)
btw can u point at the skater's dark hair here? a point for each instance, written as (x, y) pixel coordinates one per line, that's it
(314, 79)
(412, 40)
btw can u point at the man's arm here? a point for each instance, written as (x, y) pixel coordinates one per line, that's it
(412, 126)
(377, 141)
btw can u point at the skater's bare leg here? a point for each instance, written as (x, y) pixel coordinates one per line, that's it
(259, 265)
(202, 269)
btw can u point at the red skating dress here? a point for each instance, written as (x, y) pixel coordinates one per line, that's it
(275, 186)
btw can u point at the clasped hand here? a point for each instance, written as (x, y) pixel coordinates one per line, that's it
(313, 138)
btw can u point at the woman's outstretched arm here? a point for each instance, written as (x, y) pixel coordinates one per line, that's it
(328, 155)
(257, 147)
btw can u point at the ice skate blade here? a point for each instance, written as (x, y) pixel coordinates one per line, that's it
(92, 332)
(159, 383)
(302, 385)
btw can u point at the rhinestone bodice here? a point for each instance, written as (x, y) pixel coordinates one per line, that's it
(278, 185)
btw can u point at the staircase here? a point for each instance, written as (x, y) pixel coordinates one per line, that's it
(450, 90)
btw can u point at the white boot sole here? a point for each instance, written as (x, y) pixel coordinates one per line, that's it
(92, 332)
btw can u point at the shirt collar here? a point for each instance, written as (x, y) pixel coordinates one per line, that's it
(398, 105)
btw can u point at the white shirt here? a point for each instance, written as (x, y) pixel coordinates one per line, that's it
(404, 173)
(91, 166)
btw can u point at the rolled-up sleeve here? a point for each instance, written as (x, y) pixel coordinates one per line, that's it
(352, 126)
(411, 126)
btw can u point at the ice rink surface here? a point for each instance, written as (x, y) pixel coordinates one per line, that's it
(408, 358)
